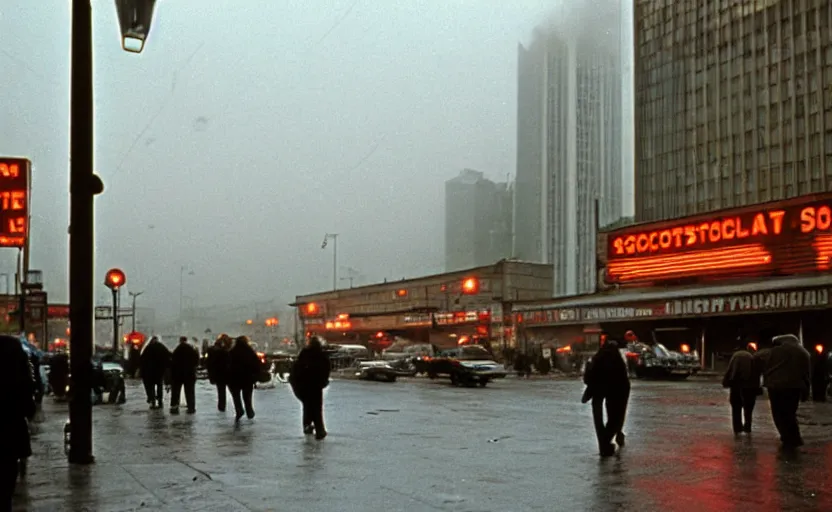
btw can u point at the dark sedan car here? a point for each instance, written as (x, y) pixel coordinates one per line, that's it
(469, 365)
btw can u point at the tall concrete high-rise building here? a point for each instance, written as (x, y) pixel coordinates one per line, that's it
(733, 103)
(569, 152)
(478, 222)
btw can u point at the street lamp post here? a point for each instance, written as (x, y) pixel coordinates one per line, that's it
(334, 238)
(84, 184)
(134, 296)
(182, 270)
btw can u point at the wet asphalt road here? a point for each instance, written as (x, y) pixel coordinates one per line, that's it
(422, 445)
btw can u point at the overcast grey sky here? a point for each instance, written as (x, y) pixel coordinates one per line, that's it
(247, 130)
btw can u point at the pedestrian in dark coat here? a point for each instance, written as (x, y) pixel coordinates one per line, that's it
(183, 365)
(787, 375)
(17, 401)
(608, 384)
(743, 379)
(309, 377)
(154, 362)
(59, 374)
(244, 367)
(218, 365)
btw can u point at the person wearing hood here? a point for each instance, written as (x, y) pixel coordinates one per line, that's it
(787, 376)
(308, 378)
(18, 405)
(244, 366)
(743, 379)
(608, 386)
(154, 361)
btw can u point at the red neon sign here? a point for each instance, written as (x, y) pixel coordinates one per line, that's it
(786, 237)
(14, 201)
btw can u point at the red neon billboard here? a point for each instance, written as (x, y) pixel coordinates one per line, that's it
(14, 201)
(778, 238)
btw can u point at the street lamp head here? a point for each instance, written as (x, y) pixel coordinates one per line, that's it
(134, 17)
(115, 279)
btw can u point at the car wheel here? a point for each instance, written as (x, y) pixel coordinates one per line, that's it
(454, 380)
(483, 383)
(391, 378)
(431, 375)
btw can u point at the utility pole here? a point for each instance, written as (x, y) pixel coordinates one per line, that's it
(134, 296)
(83, 185)
(334, 238)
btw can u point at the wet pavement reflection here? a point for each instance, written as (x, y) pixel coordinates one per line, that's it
(423, 445)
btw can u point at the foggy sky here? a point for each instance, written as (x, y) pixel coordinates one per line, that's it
(248, 130)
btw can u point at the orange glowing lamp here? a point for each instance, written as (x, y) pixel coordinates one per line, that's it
(115, 279)
(311, 308)
(752, 346)
(343, 316)
(819, 349)
(401, 292)
(470, 286)
(685, 348)
(249, 321)
(379, 334)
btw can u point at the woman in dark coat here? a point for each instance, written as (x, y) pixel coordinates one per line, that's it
(18, 405)
(309, 377)
(218, 364)
(244, 367)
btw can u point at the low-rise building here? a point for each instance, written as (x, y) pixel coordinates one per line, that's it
(443, 309)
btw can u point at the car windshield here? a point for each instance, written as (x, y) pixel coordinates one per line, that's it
(474, 352)
(660, 350)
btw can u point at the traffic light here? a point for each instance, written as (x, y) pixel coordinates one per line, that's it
(470, 286)
(115, 279)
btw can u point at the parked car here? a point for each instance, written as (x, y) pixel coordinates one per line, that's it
(382, 371)
(468, 365)
(655, 361)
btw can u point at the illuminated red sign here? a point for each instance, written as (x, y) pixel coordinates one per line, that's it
(14, 201)
(781, 238)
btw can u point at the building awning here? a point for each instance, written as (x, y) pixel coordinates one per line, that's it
(773, 296)
(771, 285)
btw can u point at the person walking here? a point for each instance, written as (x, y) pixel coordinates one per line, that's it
(18, 405)
(244, 367)
(218, 364)
(787, 376)
(154, 362)
(183, 366)
(308, 378)
(743, 379)
(608, 386)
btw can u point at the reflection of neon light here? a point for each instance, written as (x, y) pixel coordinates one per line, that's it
(680, 265)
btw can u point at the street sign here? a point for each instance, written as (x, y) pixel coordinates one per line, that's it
(14, 201)
(106, 312)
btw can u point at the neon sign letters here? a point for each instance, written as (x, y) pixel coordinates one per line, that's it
(14, 201)
(788, 237)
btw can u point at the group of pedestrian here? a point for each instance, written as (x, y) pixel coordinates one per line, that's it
(785, 370)
(233, 366)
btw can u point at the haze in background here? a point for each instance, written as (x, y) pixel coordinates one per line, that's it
(246, 131)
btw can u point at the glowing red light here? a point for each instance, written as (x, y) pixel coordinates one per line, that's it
(470, 285)
(115, 278)
(819, 349)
